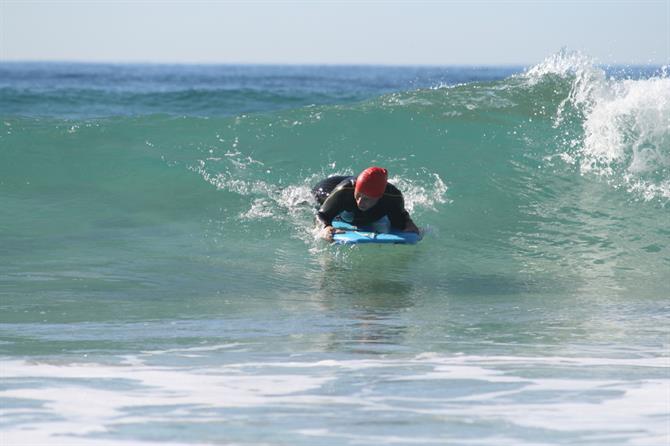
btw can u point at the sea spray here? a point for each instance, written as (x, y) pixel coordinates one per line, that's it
(625, 124)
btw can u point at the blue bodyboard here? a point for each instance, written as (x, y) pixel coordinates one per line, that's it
(366, 234)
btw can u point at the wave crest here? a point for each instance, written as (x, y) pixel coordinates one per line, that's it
(624, 124)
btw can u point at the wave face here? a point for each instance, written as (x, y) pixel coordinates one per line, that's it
(557, 168)
(157, 255)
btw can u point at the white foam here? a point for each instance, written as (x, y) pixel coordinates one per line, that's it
(626, 123)
(29, 437)
(204, 348)
(636, 113)
(371, 439)
(88, 409)
(637, 410)
(82, 402)
(418, 195)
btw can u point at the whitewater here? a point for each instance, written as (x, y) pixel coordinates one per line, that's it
(161, 280)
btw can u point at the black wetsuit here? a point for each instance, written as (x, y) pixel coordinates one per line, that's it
(336, 195)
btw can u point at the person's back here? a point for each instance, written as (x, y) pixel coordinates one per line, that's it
(324, 187)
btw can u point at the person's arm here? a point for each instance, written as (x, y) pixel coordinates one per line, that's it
(327, 229)
(329, 209)
(399, 216)
(411, 227)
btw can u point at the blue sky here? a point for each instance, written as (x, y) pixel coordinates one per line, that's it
(334, 32)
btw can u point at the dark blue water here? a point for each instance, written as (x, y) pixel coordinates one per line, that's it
(95, 90)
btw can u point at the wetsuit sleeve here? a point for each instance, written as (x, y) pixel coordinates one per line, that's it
(333, 205)
(397, 214)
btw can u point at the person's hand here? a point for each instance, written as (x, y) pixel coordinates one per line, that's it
(328, 232)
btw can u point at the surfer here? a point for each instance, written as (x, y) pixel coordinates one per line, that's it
(361, 200)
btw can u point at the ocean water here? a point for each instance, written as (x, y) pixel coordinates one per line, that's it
(161, 282)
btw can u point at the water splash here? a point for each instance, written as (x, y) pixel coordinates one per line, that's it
(625, 123)
(420, 195)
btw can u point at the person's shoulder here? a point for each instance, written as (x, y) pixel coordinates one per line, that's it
(342, 193)
(347, 183)
(392, 191)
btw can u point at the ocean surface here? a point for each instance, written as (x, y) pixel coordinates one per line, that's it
(161, 281)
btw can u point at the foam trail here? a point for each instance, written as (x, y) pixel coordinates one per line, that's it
(80, 400)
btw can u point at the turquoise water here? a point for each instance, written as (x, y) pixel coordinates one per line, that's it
(161, 282)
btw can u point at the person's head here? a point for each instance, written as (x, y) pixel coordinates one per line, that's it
(370, 187)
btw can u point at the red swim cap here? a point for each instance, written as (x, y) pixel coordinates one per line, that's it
(372, 182)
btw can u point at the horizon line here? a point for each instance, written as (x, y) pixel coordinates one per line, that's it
(249, 63)
(305, 64)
